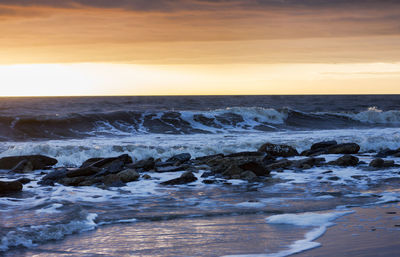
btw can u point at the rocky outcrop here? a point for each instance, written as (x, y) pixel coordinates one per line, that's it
(346, 160)
(26, 163)
(331, 147)
(185, 178)
(380, 163)
(278, 150)
(10, 187)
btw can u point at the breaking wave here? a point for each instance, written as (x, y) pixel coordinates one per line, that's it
(234, 119)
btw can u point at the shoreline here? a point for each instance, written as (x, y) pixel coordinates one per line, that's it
(369, 231)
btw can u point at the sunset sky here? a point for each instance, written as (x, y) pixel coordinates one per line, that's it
(157, 47)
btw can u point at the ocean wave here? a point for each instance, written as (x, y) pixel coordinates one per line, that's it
(33, 235)
(232, 119)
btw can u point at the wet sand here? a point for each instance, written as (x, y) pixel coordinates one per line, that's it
(372, 231)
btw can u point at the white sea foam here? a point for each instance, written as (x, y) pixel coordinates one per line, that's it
(33, 235)
(74, 152)
(309, 219)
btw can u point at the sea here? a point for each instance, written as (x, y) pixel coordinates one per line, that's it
(278, 217)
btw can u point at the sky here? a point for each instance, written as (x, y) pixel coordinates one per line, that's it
(180, 47)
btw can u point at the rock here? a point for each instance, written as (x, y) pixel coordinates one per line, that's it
(248, 175)
(169, 169)
(387, 152)
(74, 181)
(88, 171)
(324, 144)
(146, 176)
(38, 162)
(185, 178)
(10, 187)
(128, 175)
(145, 165)
(308, 163)
(103, 162)
(278, 150)
(334, 178)
(245, 154)
(24, 180)
(255, 167)
(349, 148)
(209, 157)
(281, 164)
(380, 163)
(180, 158)
(113, 180)
(56, 174)
(346, 160)
(23, 166)
(209, 181)
(232, 171)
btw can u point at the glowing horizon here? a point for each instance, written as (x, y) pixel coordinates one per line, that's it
(79, 47)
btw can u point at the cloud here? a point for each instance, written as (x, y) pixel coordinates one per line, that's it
(169, 5)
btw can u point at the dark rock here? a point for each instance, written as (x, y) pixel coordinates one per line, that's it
(358, 177)
(24, 180)
(90, 161)
(146, 165)
(180, 158)
(281, 164)
(10, 187)
(169, 169)
(209, 157)
(278, 150)
(74, 181)
(206, 121)
(255, 167)
(245, 154)
(103, 162)
(88, 171)
(56, 174)
(327, 172)
(23, 166)
(380, 163)
(248, 175)
(113, 180)
(324, 144)
(209, 181)
(185, 178)
(349, 148)
(128, 175)
(345, 160)
(334, 178)
(37, 161)
(377, 163)
(146, 176)
(387, 152)
(308, 162)
(232, 171)
(207, 174)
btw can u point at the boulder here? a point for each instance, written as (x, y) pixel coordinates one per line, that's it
(23, 166)
(128, 175)
(231, 171)
(348, 148)
(380, 163)
(145, 165)
(308, 162)
(185, 178)
(24, 180)
(278, 150)
(180, 158)
(88, 171)
(113, 180)
(346, 160)
(104, 162)
(248, 175)
(10, 187)
(38, 162)
(387, 152)
(255, 167)
(324, 144)
(245, 154)
(281, 164)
